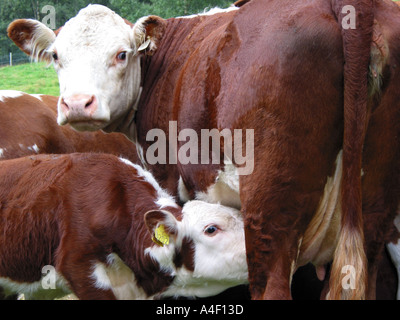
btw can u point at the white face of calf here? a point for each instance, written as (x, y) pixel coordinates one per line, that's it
(210, 239)
(97, 58)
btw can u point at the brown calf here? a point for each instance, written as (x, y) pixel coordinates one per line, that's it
(89, 220)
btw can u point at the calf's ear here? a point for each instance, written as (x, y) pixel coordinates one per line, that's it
(32, 37)
(162, 226)
(148, 32)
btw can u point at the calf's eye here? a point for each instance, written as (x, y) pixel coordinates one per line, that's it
(211, 230)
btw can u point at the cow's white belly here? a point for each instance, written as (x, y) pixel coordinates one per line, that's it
(225, 190)
(319, 241)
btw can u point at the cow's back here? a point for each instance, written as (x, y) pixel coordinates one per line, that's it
(28, 125)
(25, 126)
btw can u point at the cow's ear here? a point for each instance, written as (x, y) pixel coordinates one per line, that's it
(33, 38)
(148, 33)
(162, 226)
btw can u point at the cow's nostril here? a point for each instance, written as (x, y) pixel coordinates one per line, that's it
(79, 106)
(64, 104)
(90, 101)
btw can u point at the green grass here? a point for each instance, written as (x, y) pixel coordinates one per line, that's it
(30, 78)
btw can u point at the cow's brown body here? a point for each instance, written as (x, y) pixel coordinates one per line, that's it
(238, 70)
(28, 126)
(277, 68)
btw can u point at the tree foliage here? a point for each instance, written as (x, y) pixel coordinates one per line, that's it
(66, 9)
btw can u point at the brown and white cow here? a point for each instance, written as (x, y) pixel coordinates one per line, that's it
(325, 151)
(28, 125)
(90, 219)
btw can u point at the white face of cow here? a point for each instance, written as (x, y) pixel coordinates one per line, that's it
(210, 237)
(97, 58)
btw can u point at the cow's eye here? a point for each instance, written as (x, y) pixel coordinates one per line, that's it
(55, 56)
(211, 230)
(121, 56)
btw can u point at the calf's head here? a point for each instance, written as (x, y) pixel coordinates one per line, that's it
(97, 57)
(205, 251)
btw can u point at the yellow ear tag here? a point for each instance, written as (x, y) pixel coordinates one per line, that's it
(161, 237)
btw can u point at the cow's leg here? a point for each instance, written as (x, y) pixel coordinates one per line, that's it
(273, 228)
(271, 254)
(279, 199)
(86, 280)
(379, 229)
(270, 265)
(84, 286)
(373, 264)
(394, 252)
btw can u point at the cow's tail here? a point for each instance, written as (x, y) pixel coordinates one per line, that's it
(348, 279)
